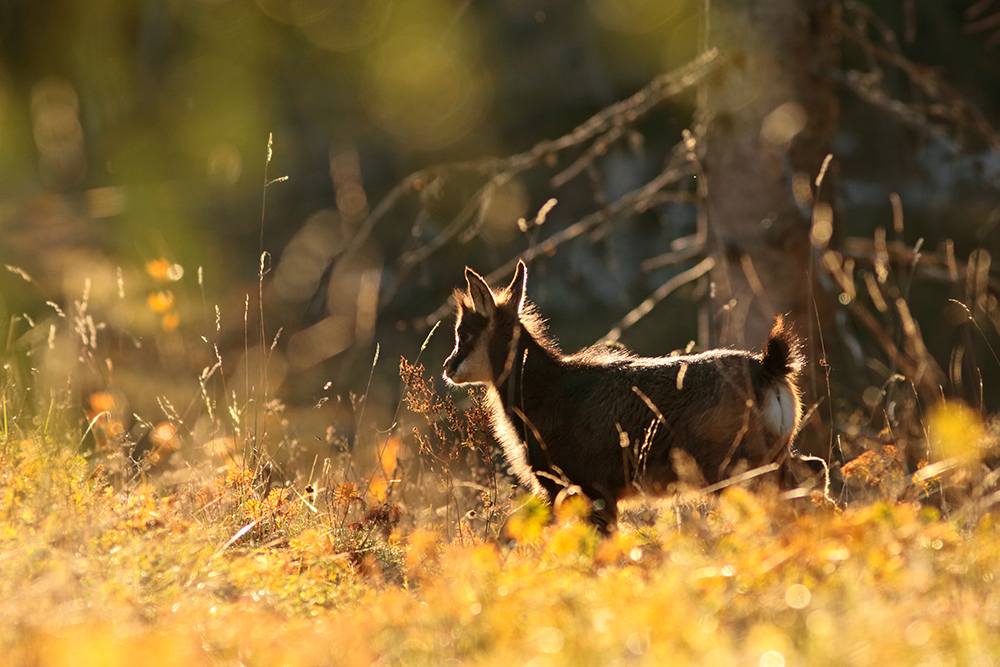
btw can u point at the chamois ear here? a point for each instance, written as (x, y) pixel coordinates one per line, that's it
(519, 285)
(482, 297)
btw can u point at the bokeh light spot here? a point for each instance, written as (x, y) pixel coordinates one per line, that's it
(797, 596)
(428, 93)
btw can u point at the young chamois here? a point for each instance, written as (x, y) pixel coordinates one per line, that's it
(608, 421)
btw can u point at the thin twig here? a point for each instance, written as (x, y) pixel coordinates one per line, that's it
(685, 254)
(626, 204)
(608, 124)
(948, 104)
(663, 291)
(928, 265)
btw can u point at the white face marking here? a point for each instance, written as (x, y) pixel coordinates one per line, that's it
(475, 366)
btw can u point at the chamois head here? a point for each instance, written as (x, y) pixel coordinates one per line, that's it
(486, 326)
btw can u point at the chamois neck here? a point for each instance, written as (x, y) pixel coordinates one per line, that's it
(533, 362)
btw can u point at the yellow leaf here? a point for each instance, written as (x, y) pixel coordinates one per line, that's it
(378, 488)
(573, 506)
(164, 435)
(162, 301)
(955, 430)
(389, 453)
(529, 520)
(170, 321)
(102, 402)
(164, 270)
(159, 268)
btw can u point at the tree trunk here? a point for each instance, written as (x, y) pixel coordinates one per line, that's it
(769, 119)
(767, 123)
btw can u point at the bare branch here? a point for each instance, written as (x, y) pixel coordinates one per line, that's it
(662, 292)
(946, 103)
(937, 267)
(608, 124)
(630, 202)
(686, 253)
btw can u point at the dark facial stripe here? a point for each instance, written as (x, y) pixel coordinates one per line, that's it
(468, 329)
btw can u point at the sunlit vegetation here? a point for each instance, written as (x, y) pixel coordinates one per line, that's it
(222, 441)
(192, 549)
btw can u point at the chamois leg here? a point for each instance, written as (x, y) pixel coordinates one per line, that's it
(604, 516)
(603, 511)
(798, 471)
(603, 506)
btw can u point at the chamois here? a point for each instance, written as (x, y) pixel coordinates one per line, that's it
(610, 422)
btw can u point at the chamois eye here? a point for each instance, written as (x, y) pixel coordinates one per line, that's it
(464, 337)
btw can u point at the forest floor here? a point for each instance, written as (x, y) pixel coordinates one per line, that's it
(97, 571)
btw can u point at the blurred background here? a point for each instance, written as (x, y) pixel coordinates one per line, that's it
(153, 245)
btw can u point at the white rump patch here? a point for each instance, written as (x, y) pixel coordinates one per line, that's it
(779, 410)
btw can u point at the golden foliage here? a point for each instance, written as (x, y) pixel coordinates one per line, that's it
(747, 578)
(955, 431)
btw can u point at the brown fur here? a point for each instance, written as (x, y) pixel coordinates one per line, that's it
(561, 418)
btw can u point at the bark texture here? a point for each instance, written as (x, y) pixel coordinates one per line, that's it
(768, 123)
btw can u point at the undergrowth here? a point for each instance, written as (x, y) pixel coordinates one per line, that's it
(97, 575)
(202, 537)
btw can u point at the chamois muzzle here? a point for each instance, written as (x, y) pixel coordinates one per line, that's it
(451, 365)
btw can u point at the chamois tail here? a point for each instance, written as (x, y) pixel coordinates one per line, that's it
(781, 362)
(782, 356)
